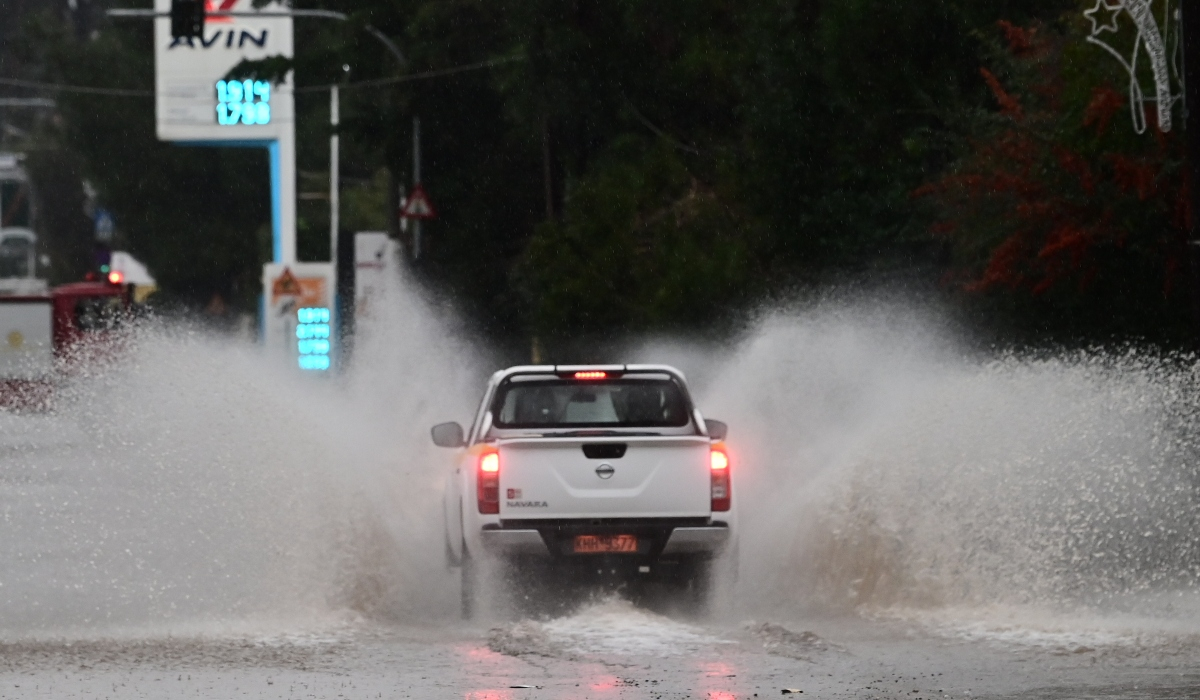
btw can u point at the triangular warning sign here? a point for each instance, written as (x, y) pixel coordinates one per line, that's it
(418, 206)
(286, 285)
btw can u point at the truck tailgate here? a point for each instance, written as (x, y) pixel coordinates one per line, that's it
(654, 476)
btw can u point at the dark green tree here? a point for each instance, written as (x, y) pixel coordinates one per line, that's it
(616, 166)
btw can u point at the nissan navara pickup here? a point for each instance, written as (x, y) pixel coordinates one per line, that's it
(569, 471)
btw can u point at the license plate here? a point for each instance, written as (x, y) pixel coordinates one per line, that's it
(604, 544)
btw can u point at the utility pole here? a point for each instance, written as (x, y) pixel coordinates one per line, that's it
(416, 182)
(547, 171)
(334, 178)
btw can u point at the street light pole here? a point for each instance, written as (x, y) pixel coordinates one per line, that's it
(334, 178)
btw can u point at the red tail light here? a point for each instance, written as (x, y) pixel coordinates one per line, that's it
(487, 483)
(116, 277)
(719, 462)
(591, 375)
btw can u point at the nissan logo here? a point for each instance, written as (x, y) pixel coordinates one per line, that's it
(605, 471)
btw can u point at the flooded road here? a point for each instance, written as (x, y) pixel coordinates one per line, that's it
(919, 521)
(607, 651)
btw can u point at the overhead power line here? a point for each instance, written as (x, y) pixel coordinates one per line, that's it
(36, 102)
(413, 76)
(83, 89)
(377, 82)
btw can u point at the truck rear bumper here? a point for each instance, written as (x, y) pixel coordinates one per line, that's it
(681, 540)
(696, 539)
(514, 542)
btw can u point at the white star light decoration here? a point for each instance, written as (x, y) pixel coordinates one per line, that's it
(1150, 43)
(1093, 17)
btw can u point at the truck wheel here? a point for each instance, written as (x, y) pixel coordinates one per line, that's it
(469, 574)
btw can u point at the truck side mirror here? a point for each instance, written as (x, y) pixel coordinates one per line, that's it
(448, 435)
(716, 429)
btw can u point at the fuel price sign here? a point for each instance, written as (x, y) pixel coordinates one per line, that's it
(312, 338)
(194, 103)
(298, 315)
(243, 102)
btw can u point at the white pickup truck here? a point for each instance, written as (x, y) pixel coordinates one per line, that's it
(571, 471)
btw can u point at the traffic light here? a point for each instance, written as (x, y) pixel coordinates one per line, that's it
(187, 18)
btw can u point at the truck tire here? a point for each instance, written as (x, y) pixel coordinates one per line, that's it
(469, 575)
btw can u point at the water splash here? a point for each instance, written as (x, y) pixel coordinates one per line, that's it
(610, 626)
(880, 467)
(888, 468)
(194, 487)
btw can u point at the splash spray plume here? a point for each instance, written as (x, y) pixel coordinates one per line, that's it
(891, 472)
(193, 487)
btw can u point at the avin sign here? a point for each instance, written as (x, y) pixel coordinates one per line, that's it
(197, 104)
(194, 102)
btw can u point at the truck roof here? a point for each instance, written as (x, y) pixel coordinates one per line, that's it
(554, 369)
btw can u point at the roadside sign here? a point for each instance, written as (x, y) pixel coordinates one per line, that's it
(103, 225)
(375, 263)
(298, 321)
(285, 285)
(418, 206)
(194, 103)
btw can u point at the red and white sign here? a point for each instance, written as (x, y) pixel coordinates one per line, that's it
(287, 288)
(211, 6)
(418, 206)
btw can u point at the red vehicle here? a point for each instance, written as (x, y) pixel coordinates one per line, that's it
(43, 336)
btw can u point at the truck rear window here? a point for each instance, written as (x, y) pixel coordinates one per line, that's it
(537, 402)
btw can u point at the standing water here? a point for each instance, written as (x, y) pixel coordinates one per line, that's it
(1013, 496)
(195, 488)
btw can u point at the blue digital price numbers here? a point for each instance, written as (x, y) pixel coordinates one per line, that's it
(312, 338)
(243, 102)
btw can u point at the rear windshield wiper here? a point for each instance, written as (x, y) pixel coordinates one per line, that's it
(600, 433)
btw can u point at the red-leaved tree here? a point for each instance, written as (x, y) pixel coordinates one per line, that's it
(1056, 206)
